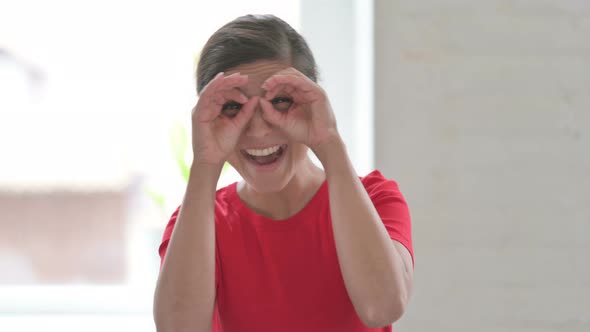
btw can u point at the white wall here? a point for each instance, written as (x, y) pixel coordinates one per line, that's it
(482, 115)
(339, 32)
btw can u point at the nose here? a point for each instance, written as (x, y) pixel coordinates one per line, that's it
(258, 127)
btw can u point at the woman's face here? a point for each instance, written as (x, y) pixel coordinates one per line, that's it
(264, 156)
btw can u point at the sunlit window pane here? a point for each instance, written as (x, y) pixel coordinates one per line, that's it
(95, 101)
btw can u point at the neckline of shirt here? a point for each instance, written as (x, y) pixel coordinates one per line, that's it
(264, 222)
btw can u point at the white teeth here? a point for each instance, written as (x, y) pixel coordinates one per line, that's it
(263, 152)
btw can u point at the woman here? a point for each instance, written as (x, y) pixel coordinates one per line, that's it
(292, 247)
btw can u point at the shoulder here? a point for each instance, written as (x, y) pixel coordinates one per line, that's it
(375, 181)
(223, 199)
(224, 195)
(226, 199)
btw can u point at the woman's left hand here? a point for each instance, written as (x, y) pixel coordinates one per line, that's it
(300, 107)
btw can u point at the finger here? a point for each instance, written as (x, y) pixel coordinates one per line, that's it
(223, 97)
(215, 81)
(213, 104)
(224, 83)
(235, 95)
(233, 81)
(219, 91)
(296, 81)
(280, 89)
(289, 89)
(206, 99)
(245, 114)
(206, 110)
(270, 114)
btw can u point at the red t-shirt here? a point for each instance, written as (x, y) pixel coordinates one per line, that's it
(284, 275)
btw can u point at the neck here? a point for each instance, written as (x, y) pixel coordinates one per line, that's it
(291, 199)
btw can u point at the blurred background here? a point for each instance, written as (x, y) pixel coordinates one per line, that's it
(480, 110)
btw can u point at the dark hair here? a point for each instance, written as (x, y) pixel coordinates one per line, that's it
(250, 38)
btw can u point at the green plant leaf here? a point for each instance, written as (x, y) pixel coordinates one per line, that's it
(158, 198)
(179, 141)
(180, 150)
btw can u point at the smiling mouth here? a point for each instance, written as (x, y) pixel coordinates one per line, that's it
(265, 156)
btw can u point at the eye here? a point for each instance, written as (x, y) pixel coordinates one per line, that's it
(231, 109)
(282, 104)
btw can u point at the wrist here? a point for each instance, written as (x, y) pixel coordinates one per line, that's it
(205, 172)
(330, 151)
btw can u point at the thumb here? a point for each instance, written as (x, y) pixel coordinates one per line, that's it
(245, 114)
(270, 114)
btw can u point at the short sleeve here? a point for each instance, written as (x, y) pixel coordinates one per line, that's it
(391, 207)
(167, 234)
(166, 239)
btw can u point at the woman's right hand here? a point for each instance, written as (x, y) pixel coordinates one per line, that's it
(219, 117)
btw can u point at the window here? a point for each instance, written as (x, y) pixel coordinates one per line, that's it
(91, 94)
(92, 97)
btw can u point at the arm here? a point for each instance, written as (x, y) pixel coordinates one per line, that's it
(185, 292)
(377, 271)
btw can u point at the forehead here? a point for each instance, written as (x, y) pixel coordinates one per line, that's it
(257, 73)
